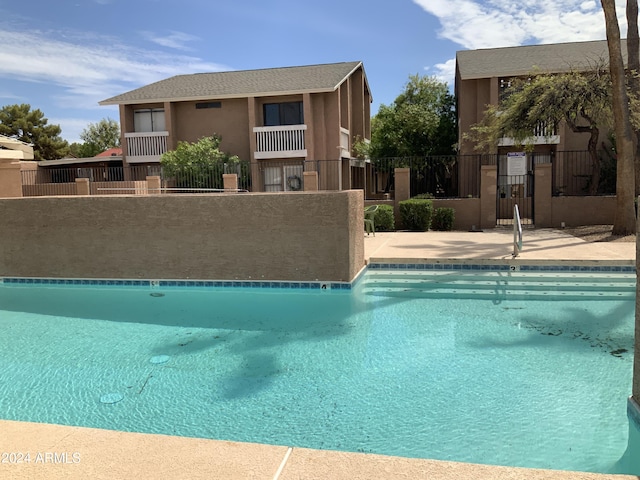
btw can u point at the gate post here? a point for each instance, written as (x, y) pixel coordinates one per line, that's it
(488, 195)
(542, 195)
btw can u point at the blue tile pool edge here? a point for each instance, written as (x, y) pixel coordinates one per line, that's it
(633, 412)
(314, 285)
(153, 284)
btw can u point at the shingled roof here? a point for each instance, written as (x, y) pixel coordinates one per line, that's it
(234, 84)
(517, 61)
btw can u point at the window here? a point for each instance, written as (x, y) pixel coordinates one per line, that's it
(286, 178)
(208, 105)
(149, 120)
(288, 113)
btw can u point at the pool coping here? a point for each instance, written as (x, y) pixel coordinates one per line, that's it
(462, 265)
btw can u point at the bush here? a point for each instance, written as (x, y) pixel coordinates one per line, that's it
(416, 214)
(443, 219)
(424, 196)
(384, 219)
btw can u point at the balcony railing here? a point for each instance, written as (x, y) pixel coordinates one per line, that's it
(543, 134)
(145, 147)
(283, 141)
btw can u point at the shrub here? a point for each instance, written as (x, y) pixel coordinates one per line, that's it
(443, 219)
(424, 196)
(416, 214)
(384, 219)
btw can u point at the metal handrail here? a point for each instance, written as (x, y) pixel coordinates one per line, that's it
(517, 232)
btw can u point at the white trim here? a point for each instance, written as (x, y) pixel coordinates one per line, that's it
(281, 154)
(279, 128)
(146, 134)
(544, 140)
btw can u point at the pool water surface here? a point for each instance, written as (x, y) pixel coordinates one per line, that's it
(522, 382)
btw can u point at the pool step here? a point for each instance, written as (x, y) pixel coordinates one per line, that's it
(488, 284)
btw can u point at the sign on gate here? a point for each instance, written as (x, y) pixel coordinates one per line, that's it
(516, 163)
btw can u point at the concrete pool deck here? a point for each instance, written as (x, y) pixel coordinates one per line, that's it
(58, 452)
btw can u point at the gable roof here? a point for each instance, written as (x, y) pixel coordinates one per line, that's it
(518, 61)
(246, 83)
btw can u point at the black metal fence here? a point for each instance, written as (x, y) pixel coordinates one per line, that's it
(578, 173)
(452, 176)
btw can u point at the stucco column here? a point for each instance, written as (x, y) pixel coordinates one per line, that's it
(10, 177)
(154, 184)
(402, 190)
(230, 181)
(82, 186)
(543, 217)
(488, 194)
(310, 181)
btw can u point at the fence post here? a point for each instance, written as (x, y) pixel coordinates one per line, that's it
(542, 208)
(153, 184)
(488, 195)
(82, 186)
(310, 181)
(230, 181)
(402, 190)
(10, 178)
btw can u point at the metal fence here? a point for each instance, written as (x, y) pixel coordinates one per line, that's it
(452, 176)
(576, 173)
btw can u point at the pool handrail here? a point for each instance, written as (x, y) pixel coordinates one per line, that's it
(517, 231)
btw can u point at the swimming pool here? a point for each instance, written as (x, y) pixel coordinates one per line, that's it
(406, 364)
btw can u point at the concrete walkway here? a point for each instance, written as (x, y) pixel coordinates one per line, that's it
(543, 245)
(81, 453)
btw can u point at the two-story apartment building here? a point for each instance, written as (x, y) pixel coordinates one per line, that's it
(484, 76)
(279, 119)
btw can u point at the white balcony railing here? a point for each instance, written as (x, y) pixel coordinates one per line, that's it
(145, 146)
(283, 141)
(543, 134)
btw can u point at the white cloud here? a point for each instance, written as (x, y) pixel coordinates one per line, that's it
(445, 72)
(73, 127)
(88, 69)
(476, 24)
(175, 40)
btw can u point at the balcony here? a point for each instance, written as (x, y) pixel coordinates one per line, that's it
(283, 141)
(145, 147)
(543, 134)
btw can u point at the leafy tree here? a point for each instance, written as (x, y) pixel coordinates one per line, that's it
(31, 126)
(420, 122)
(581, 99)
(200, 164)
(99, 137)
(624, 221)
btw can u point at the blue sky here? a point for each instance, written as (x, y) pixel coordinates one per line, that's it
(64, 56)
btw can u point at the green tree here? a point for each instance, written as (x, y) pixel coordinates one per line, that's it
(31, 126)
(624, 221)
(420, 122)
(200, 164)
(581, 99)
(99, 137)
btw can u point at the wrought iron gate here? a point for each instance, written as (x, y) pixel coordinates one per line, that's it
(515, 190)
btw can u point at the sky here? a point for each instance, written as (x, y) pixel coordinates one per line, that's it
(64, 56)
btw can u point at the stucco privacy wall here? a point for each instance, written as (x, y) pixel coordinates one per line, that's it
(282, 236)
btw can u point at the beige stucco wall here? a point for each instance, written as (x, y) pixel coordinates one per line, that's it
(283, 236)
(575, 211)
(467, 211)
(229, 121)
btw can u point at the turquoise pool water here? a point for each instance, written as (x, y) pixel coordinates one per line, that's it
(534, 383)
